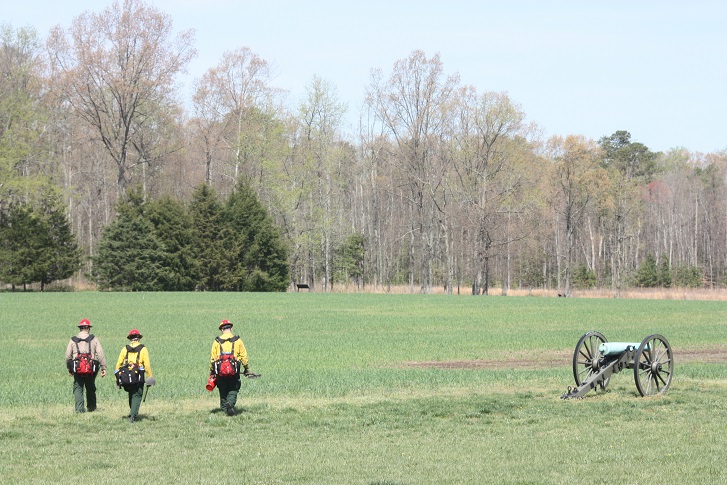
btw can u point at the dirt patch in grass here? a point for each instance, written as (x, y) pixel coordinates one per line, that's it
(529, 360)
(562, 358)
(716, 355)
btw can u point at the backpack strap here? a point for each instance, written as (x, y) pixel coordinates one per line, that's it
(130, 349)
(232, 340)
(87, 340)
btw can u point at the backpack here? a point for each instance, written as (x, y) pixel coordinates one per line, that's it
(131, 373)
(227, 365)
(84, 364)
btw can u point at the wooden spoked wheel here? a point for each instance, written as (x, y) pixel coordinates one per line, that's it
(587, 358)
(653, 366)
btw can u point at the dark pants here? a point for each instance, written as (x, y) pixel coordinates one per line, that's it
(229, 387)
(135, 391)
(89, 383)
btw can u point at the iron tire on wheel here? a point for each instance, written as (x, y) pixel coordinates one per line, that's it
(653, 366)
(587, 357)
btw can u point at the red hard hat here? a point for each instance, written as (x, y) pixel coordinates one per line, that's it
(224, 323)
(85, 323)
(133, 334)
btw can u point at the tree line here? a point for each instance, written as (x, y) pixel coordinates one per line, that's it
(441, 185)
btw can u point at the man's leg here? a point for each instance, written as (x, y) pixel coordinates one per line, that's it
(223, 386)
(91, 393)
(228, 394)
(135, 396)
(232, 395)
(78, 393)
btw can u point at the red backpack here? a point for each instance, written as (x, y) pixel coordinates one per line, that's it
(227, 365)
(84, 364)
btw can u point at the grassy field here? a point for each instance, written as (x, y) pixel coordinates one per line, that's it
(363, 389)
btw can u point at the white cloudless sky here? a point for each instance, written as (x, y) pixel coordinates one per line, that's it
(657, 69)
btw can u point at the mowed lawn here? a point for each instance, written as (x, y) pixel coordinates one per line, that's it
(363, 389)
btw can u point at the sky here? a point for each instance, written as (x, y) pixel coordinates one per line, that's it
(657, 69)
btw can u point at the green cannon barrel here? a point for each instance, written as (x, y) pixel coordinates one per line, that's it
(616, 348)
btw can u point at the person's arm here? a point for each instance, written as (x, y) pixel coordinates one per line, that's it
(145, 361)
(100, 356)
(69, 357)
(120, 360)
(241, 353)
(214, 354)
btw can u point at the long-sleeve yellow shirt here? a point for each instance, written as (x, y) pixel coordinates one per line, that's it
(237, 348)
(143, 358)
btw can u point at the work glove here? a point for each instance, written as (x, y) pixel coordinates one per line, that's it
(249, 374)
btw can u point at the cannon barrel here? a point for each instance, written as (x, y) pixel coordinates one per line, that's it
(616, 348)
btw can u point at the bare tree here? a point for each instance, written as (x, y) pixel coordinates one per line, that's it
(489, 134)
(320, 148)
(576, 180)
(411, 105)
(233, 103)
(117, 69)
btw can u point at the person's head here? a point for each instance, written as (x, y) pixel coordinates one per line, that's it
(84, 325)
(226, 326)
(134, 335)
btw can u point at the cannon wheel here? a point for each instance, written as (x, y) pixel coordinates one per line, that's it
(587, 357)
(653, 366)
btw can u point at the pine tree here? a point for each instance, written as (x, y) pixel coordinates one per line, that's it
(37, 245)
(21, 239)
(350, 259)
(584, 278)
(61, 248)
(664, 273)
(130, 256)
(173, 226)
(261, 251)
(211, 246)
(647, 274)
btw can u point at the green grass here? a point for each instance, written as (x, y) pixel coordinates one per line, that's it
(339, 403)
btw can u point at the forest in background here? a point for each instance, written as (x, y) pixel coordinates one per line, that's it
(443, 185)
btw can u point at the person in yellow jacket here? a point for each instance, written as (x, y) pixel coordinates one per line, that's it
(228, 385)
(132, 368)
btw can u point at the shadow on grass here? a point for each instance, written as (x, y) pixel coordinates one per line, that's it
(141, 417)
(238, 410)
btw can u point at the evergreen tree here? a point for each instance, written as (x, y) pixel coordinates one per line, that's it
(21, 239)
(664, 274)
(584, 278)
(5, 252)
(37, 245)
(647, 274)
(632, 159)
(688, 276)
(211, 242)
(62, 256)
(257, 241)
(173, 226)
(350, 259)
(130, 257)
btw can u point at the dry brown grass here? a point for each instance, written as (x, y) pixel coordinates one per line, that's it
(719, 294)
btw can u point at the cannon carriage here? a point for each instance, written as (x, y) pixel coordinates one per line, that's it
(596, 359)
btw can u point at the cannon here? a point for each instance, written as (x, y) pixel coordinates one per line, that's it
(596, 359)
